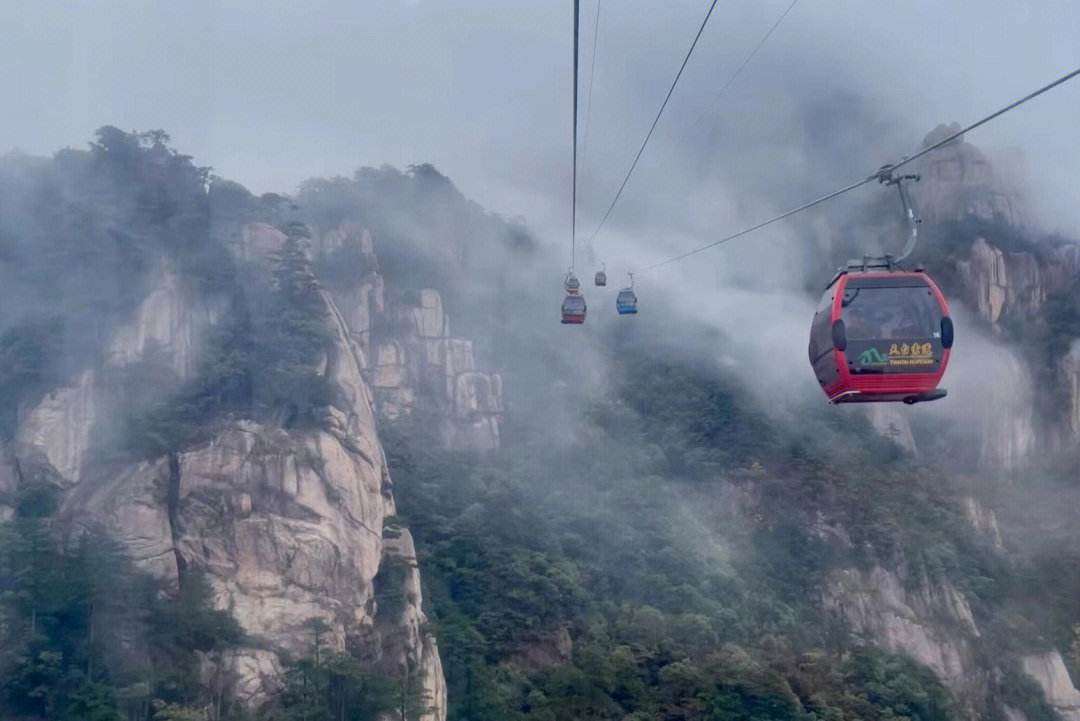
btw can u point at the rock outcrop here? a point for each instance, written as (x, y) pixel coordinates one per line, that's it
(411, 649)
(423, 361)
(9, 486)
(413, 361)
(55, 434)
(932, 623)
(257, 243)
(133, 504)
(171, 322)
(288, 528)
(170, 326)
(991, 401)
(286, 525)
(1048, 670)
(959, 181)
(1070, 372)
(996, 282)
(1005, 278)
(982, 519)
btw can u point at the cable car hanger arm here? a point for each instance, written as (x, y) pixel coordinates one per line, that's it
(885, 176)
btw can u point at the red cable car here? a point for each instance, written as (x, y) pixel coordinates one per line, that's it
(881, 334)
(573, 309)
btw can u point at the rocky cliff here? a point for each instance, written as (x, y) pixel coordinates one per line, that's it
(931, 622)
(1003, 277)
(961, 182)
(1048, 670)
(413, 358)
(287, 525)
(1001, 272)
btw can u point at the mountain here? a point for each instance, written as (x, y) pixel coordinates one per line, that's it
(330, 456)
(220, 427)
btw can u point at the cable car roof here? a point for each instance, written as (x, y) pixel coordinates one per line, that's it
(884, 264)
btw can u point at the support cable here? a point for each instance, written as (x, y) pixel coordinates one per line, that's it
(882, 175)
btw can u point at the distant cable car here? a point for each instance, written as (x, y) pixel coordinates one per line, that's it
(601, 278)
(881, 334)
(573, 309)
(626, 301)
(572, 284)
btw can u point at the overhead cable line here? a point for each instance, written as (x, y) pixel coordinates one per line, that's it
(750, 57)
(1050, 86)
(573, 172)
(656, 120)
(881, 175)
(588, 95)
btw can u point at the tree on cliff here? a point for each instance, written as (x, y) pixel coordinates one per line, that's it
(84, 634)
(294, 336)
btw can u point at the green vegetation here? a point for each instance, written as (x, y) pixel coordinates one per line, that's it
(260, 363)
(293, 335)
(85, 636)
(659, 550)
(333, 686)
(427, 234)
(81, 231)
(83, 236)
(29, 365)
(1017, 690)
(169, 422)
(667, 564)
(88, 230)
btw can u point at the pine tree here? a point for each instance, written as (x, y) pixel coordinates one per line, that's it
(295, 335)
(91, 702)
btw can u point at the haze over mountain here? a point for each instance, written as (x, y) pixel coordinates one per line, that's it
(318, 448)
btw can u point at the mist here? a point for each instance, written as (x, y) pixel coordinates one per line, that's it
(271, 94)
(299, 351)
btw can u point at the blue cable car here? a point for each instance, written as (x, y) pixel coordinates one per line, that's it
(626, 301)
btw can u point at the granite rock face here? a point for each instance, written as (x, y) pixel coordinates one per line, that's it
(1048, 670)
(286, 525)
(959, 181)
(931, 623)
(411, 358)
(995, 281)
(425, 361)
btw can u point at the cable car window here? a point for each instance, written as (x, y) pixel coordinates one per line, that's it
(891, 313)
(821, 329)
(574, 303)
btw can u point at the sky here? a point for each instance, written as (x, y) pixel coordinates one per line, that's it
(270, 93)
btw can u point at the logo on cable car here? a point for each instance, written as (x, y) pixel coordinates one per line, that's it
(872, 357)
(900, 354)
